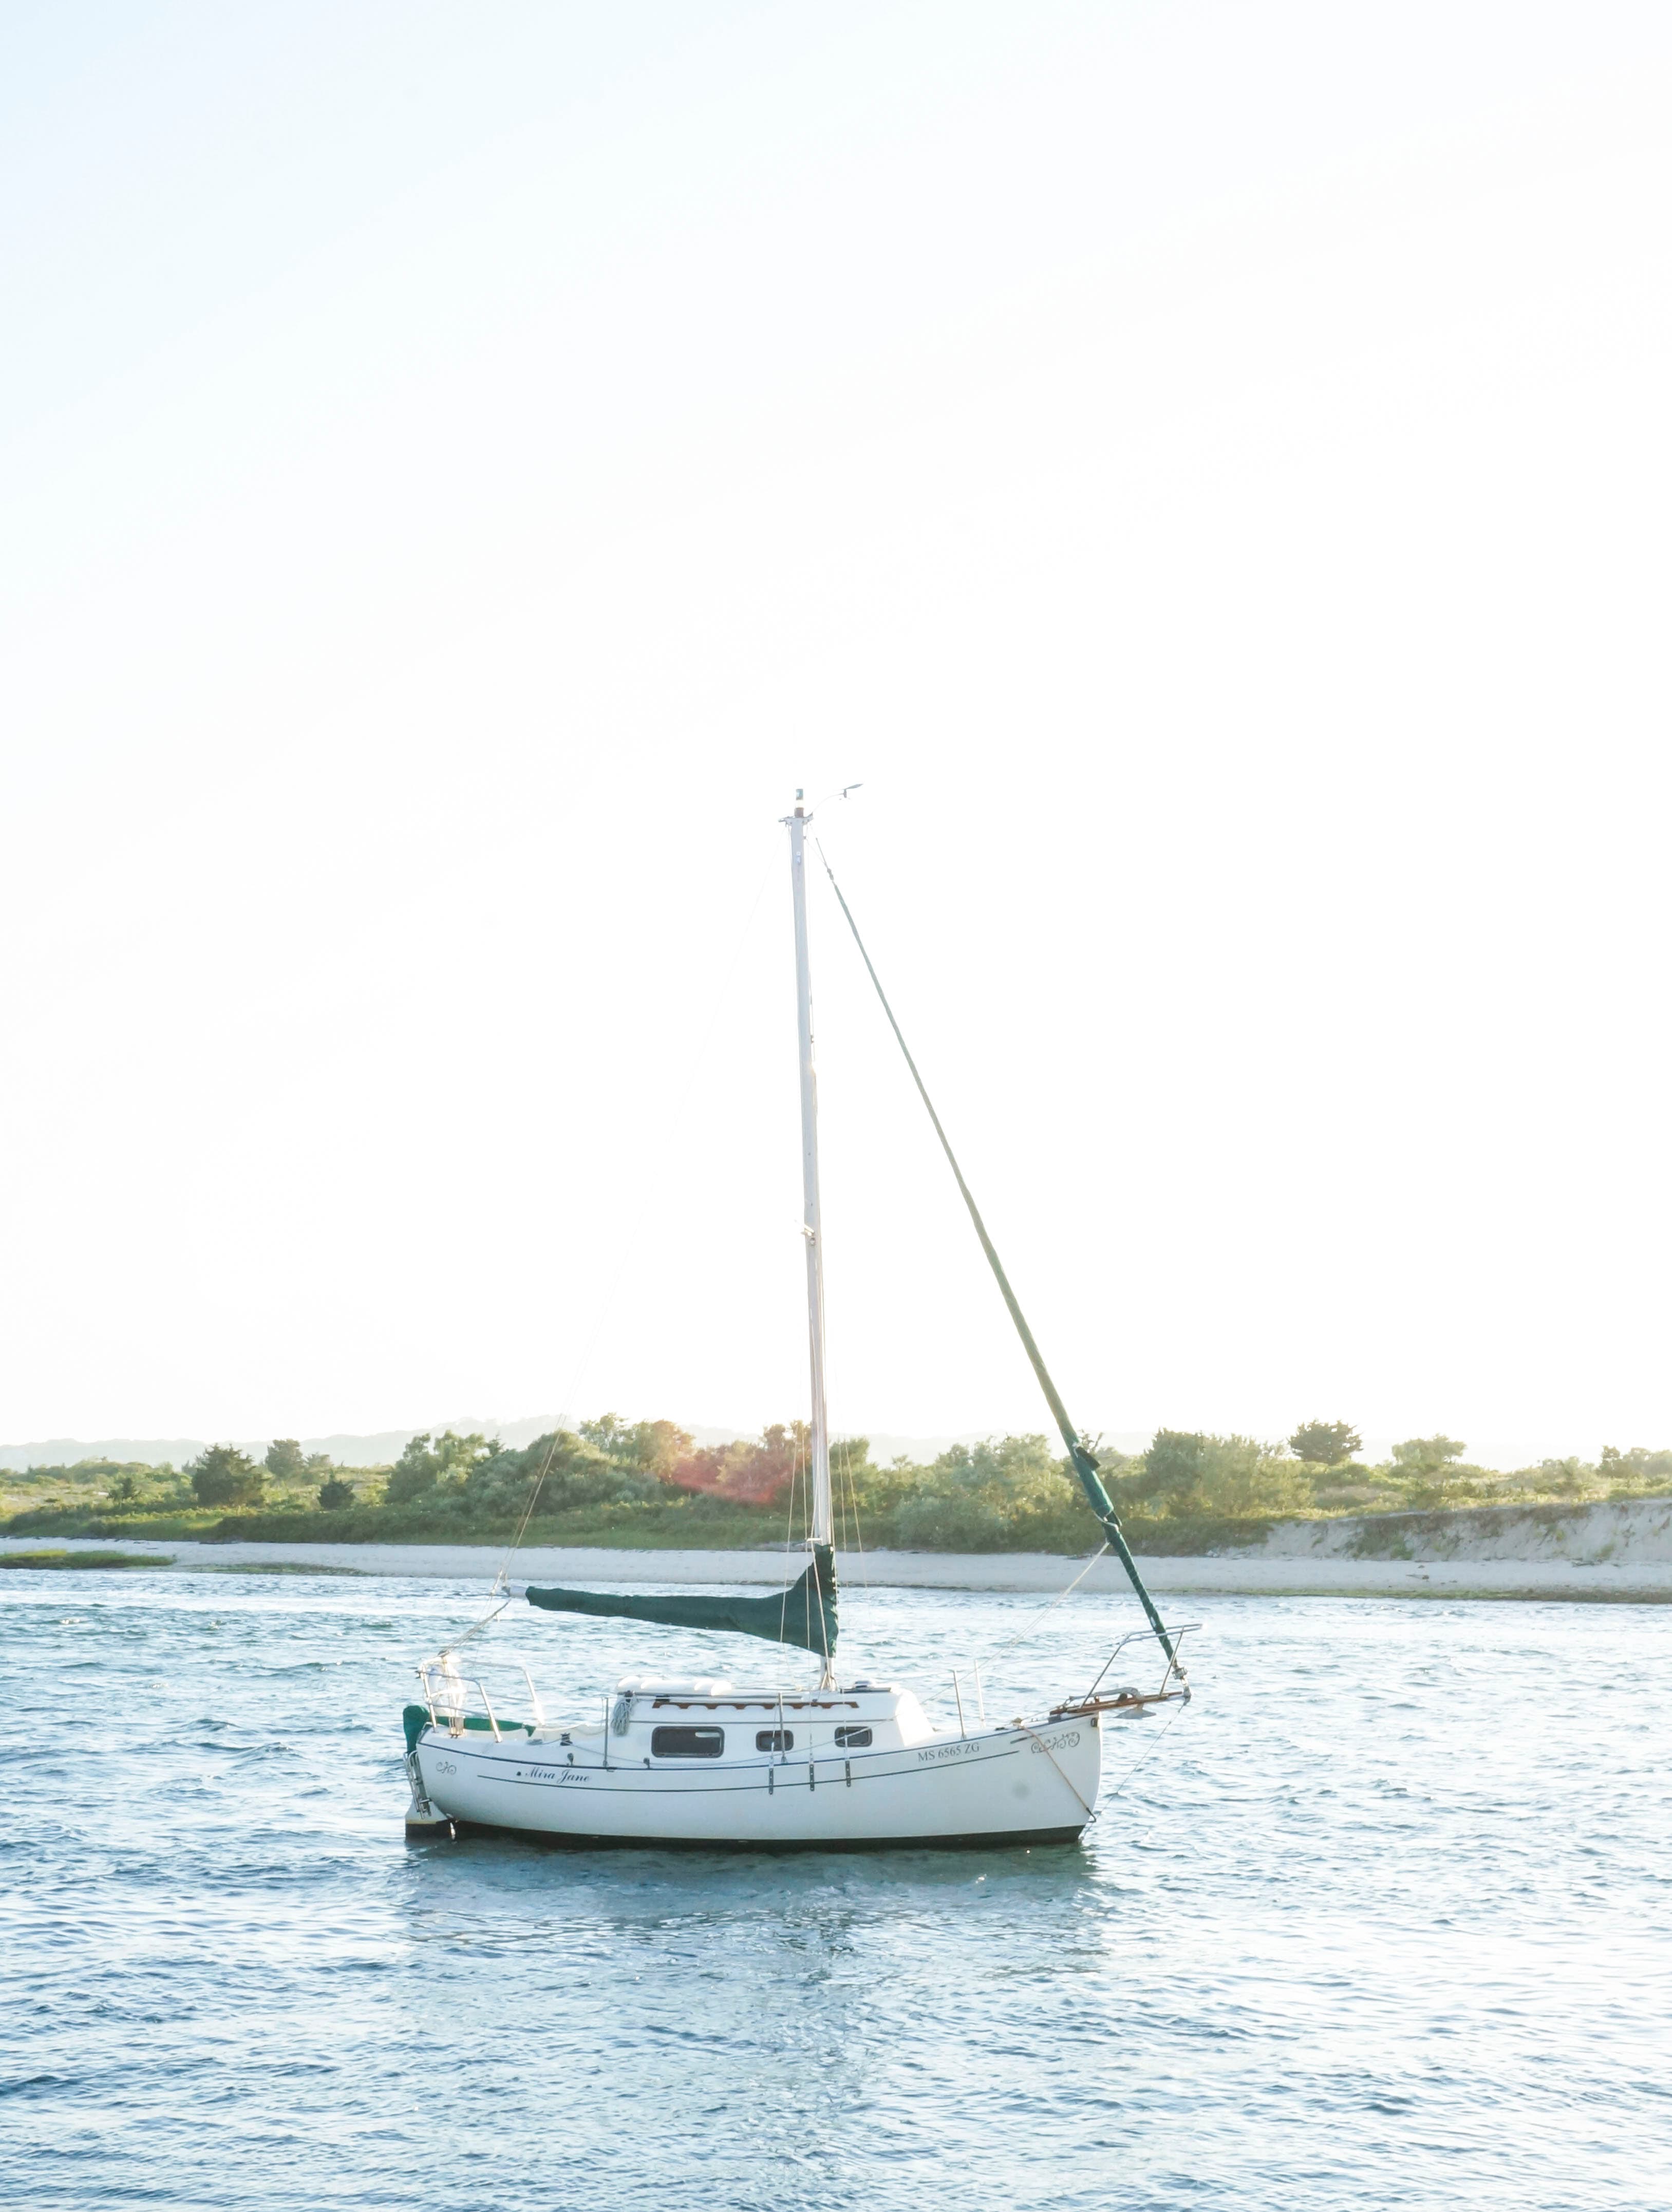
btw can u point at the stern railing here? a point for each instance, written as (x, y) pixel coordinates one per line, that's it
(453, 1698)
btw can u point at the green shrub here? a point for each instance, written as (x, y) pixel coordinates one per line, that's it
(953, 1522)
(222, 1475)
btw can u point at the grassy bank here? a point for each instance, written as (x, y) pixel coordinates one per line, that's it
(81, 1559)
(687, 1524)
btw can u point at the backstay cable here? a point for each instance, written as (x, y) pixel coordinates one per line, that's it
(627, 1255)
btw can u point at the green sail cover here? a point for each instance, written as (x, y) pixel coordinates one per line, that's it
(804, 1613)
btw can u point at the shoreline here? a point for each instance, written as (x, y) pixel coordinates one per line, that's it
(1291, 1572)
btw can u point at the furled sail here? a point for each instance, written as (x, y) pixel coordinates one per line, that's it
(804, 1613)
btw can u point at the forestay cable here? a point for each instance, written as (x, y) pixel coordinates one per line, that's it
(1085, 1462)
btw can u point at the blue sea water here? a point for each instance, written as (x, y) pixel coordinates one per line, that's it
(1382, 1920)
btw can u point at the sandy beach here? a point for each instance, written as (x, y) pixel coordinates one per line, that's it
(1618, 1553)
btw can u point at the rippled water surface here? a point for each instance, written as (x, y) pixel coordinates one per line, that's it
(1382, 1920)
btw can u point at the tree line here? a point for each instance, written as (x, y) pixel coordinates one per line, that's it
(614, 1477)
(1005, 1491)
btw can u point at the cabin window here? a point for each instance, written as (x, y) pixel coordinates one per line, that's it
(687, 1742)
(774, 1739)
(853, 1739)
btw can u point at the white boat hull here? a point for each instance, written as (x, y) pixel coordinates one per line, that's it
(1021, 1784)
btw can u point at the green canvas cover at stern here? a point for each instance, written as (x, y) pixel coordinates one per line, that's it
(804, 1613)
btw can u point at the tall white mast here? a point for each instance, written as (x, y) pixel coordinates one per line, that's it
(822, 1519)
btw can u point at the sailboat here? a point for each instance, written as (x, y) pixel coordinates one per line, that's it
(835, 1761)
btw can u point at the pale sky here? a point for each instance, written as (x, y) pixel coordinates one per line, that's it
(1204, 470)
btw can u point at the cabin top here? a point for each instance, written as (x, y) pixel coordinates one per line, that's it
(713, 1691)
(659, 1718)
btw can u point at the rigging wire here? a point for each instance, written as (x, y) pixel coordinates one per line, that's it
(469, 1635)
(789, 1539)
(1039, 1612)
(602, 1310)
(1116, 1788)
(864, 1576)
(681, 1098)
(1081, 1455)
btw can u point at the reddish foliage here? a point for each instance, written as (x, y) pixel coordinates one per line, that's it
(751, 1474)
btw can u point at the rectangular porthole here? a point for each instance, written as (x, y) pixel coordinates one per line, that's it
(687, 1742)
(853, 1739)
(774, 1739)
